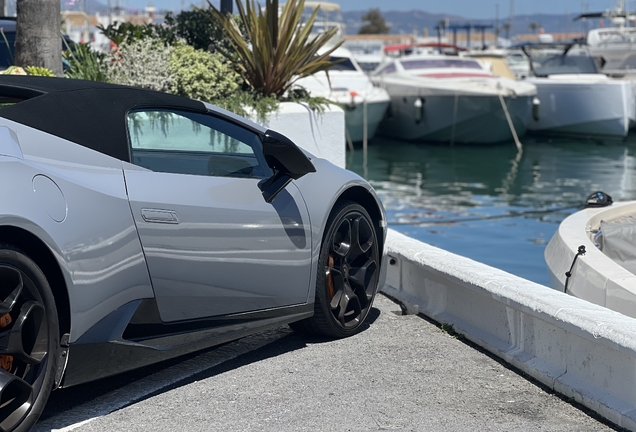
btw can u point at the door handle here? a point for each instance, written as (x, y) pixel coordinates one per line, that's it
(160, 216)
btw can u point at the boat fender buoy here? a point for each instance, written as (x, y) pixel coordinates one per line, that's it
(598, 199)
(536, 108)
(418, 106)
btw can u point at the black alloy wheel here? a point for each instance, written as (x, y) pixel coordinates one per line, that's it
(29, 340)
(348, 272)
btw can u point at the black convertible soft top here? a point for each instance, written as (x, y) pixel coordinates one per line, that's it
(88, 113)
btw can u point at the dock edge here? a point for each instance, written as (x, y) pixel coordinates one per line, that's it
(580, 350)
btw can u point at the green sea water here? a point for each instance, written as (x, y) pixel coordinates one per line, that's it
(493, 203)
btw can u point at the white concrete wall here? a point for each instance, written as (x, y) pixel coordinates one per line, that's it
(322, 134)
(576, 348)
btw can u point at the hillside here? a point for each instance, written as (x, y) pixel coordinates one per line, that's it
(417, 20)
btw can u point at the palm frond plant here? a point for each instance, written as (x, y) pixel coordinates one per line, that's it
(84, 63)
(275, 50)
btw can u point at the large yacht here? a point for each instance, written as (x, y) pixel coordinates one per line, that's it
(436, 97)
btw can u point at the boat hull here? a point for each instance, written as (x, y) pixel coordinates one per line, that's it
(468, 119)
(355, 122)
(584, 107)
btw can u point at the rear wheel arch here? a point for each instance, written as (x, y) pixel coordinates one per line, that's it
(41, 254)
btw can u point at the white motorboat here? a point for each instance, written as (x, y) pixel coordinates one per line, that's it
(616, 44)
(346, 83)
(350, 87)
(576, 98)
(443, 98)
(592, 256)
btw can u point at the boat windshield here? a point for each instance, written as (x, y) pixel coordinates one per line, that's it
(345, 64)
(563, 64)
(440, 63)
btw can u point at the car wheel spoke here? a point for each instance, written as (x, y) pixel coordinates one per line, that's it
(353, 308)
(360, 277)
(11, 280)
(341, 243)
(16, 398)
(361, 238)
(338, 284)
(26, 340)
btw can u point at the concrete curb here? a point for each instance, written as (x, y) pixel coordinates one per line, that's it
(576, 348)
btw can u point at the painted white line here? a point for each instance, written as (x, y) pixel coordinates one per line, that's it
(105, 404)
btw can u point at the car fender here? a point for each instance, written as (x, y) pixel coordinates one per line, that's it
(321, 191)
(82, 214)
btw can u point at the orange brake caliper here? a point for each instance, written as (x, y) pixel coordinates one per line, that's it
(330, 288)
(6, 361)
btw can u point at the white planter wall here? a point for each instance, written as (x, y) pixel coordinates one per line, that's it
(322, 134)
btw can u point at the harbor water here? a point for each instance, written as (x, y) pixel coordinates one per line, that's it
(493, 203)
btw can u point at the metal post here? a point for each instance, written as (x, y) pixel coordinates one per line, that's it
(364, 137)
(226, 6)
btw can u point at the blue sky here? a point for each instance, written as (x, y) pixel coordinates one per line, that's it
(471, 9)
(482, 8)
(476, 9)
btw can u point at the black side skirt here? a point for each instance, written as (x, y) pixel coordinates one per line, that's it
(145, 342)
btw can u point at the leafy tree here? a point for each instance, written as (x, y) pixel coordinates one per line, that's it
(38, 40)
(275, 51)
(194, 28)
(197, 29)
(506, 28)
(534, 27)
(375, 23)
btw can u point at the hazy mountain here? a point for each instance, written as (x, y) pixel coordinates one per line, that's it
(416, 20)
(404, 22)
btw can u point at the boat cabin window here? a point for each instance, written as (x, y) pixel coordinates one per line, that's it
(564, 64)
(440, 63)
(345, 64)
(389, 68)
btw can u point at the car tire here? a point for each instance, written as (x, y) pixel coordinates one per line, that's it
(27, 313)
(347, 276)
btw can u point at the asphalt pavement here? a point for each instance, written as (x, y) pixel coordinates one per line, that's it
(402, 373)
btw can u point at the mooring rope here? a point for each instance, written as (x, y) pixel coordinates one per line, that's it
(510, 124)
(452, 141)
(568, 273)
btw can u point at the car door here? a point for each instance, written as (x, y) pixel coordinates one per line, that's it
(213, 245)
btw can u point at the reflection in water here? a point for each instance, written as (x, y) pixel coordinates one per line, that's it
(491, 203)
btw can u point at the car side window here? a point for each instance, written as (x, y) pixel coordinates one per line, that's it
(183, 142)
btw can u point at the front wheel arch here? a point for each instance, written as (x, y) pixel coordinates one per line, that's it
(362, 196)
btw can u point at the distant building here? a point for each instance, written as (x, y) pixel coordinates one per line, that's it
(83, 28)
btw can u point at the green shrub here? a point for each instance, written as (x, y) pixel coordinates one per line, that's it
(198, 74)
(39, 71)
(141, 63)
